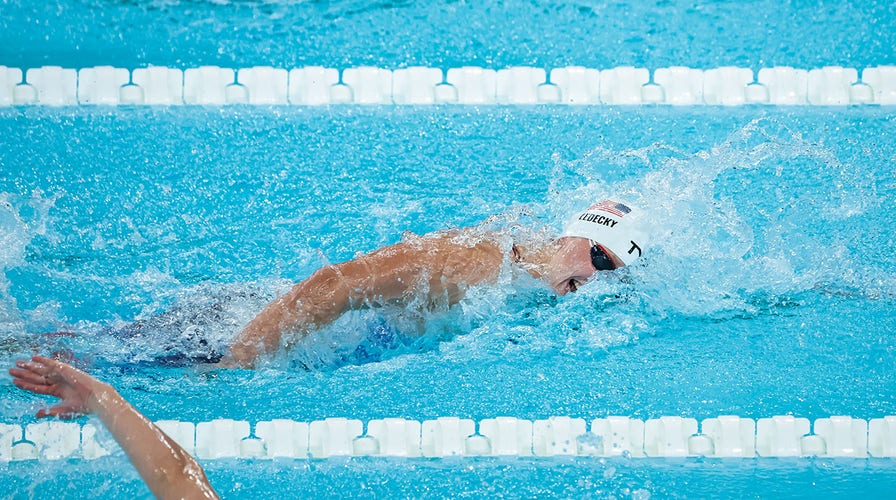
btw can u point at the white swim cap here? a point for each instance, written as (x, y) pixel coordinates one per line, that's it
(619, 227)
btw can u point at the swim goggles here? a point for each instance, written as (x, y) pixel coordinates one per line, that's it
(599, 258)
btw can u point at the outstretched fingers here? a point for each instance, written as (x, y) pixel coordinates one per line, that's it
(51, 370)
(24, 372)
(42, 376)
(50, 377)
(59, 370)
(38, 388)
(31, 381)
(47, 366)
(34, 366)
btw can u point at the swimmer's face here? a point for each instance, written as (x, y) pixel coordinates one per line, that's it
(571, 265)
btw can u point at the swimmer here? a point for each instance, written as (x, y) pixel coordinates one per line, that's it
(606, 236)
(168, 470)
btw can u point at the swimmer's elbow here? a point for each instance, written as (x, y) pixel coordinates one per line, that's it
(183, 479)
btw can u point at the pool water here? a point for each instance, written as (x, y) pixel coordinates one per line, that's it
(768, 289)
(447, 33)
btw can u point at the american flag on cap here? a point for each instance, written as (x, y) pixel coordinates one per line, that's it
(615, 208)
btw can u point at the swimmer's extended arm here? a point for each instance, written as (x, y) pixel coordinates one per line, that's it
(375, 278)
(324, 296)
(168, 470)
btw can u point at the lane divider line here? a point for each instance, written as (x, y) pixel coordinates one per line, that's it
(469, 85)
(726, 436)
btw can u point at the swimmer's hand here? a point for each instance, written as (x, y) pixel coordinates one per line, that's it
(79, 393)
(169, 471)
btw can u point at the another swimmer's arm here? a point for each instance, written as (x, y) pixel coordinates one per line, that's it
(168, 470)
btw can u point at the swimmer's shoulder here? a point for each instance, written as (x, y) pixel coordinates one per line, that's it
(454, 247)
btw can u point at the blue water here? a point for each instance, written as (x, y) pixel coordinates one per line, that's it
(447, 33)
(510, 478)
(769, 288)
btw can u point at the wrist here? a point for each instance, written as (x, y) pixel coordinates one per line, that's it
(101, 397)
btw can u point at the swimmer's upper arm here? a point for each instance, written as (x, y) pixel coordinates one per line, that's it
(445, 263)
(388, 273)
(382, 275)
(316, 300)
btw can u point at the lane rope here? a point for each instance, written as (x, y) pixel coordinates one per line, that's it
(672, 436)
(521, 85)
